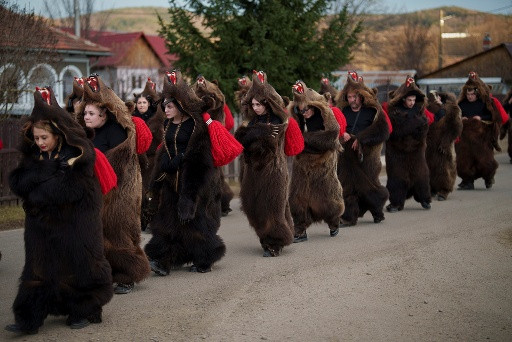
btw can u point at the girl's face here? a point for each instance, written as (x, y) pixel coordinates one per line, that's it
(258, 108)
(94, 117)
(171, 111)
(142, 105)
(45, 140)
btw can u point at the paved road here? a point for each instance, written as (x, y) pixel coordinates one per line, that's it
(437, 275)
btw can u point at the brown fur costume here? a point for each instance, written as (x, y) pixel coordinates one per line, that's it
(203, 87)
(440, 151)
(76, 94)
(244, 84)
(406, 165)
(65, 271)
(507, 127)
(328, 90)
(186, 224)
(121, 207)
(315, 190)
(147, 160)
(475, 150)
(362, 190)
(264, 188)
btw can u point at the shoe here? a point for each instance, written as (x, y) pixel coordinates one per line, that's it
(15, 328)
(79, 324)
(441, 197)
(466, 186)
(488, 184)
(345, 225)
(197, 269)
(225, 213)
(269, 252)
(393, 209)
(300, 238)
(425, 205)
(378, 219)
(334, 232)
(157, 268)
(123, 288)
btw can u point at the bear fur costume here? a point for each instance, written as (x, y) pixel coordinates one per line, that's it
(121, 206)
(185, 227)
(328, 90)
(440, 152)
(264, 187)
(147, 160)
(507, 127)
(65, 271)
(315, 190)
(76, 95)
(203, 87)
(244, 84)
(359, 170)
(406, 165)
(475, 150)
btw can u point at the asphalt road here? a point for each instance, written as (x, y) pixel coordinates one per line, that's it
(421, 275)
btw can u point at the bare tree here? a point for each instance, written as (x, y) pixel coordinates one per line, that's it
(25, 41)
(61, 13)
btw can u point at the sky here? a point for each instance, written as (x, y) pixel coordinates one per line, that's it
(390, 6)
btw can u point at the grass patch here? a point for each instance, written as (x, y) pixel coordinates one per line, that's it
(11, 217)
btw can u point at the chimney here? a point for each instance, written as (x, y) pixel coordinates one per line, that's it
(486, 43)
(76, 8)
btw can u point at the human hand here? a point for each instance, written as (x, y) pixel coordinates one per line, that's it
(346, 137)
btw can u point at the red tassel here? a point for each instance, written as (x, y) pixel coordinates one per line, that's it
(143, 135)
(1, 144)
(104, 172)
(229, 122)
(430, 116)
(225, 148)
(385, 110)
(342, 121)
(293, 139)
(503, 113)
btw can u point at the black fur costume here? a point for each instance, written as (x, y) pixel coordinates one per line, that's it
(440, 151)
(65, 270)
(359, 170)
(406, 165)
(315, 190)
(264, 187)
(203, 87)
(186, 224)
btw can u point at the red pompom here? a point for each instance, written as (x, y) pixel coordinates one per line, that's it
(293, 139)
(104, 172)
(342, 121)
(143, 135)
(430, 116)
(229, 122)
(225, 148)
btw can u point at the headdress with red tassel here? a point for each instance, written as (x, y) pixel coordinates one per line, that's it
(225, 148)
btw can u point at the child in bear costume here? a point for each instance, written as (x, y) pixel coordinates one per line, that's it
(121, 206)
(264, 187)
(482, 118)
(441, 137)
(315, 191)
(359, 163)
(65, 271)
(203, 87)
(185, 227)
(406, 166)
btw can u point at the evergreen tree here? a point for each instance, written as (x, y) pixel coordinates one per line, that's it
(288, 39)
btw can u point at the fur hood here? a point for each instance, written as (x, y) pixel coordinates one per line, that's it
(302, 95)
(76, 93)
(482, 89)
(265, 94)
(407, 88)
(244, 84)
(356, 84)
(328, 90)
(203, 87)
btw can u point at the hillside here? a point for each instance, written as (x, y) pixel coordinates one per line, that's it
(378, 42)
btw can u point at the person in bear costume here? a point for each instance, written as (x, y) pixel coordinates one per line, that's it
(154, 118)
(264, 187)
(73, 100)
(406, 165)
(185, 226)
(65, 271)
(482, 117)
(359, 163)
(507, 127)
(440, 152)
(121, 206)
(203, 87)
(327, 88)
(315, 190)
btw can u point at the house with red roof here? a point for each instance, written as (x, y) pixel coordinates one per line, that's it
(135, 57)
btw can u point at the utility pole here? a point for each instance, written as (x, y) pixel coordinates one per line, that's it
(440, 50)
(76, 8)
